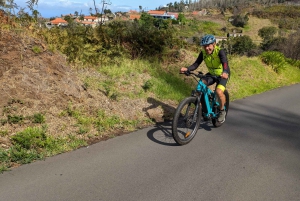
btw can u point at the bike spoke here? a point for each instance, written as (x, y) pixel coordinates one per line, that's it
(186, 122)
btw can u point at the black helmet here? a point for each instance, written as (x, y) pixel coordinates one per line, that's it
(207, 39)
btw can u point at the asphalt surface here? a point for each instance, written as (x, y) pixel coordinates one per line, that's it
(253, 156)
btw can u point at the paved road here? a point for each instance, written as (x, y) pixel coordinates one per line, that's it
(254, 156)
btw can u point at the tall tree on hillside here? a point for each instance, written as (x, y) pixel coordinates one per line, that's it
(175, 6)
(181, 5)
(35, 14)
(170, 6)
(2, 3)
(9, 4)
(31, 4)
(267, 34)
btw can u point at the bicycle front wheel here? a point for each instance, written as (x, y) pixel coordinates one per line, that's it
(186, 120)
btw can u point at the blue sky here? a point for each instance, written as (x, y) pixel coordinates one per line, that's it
(52, 8)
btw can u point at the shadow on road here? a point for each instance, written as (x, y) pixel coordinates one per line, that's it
(162, 132)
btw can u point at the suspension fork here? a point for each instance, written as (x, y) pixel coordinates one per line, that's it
(198, 101)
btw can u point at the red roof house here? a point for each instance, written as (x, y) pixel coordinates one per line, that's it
(58, 21)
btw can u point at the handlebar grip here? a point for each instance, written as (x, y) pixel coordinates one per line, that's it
(187, 73)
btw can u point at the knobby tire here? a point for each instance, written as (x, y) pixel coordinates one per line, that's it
(184, 127)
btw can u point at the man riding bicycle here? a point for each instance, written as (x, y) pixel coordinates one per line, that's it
(216, 61)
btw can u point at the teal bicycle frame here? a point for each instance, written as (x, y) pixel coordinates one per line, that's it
(210, 99)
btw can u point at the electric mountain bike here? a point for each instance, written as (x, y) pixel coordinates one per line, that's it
(189, 113)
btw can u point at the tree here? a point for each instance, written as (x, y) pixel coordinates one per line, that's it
(240, 21)
(104, 4)
(35, 14)
(181, 18)
(242, 45)
(107, 11)
(81, 17)
(31, 4)
(68, 19)
(267, 33)
(147, 20)
(2, 3)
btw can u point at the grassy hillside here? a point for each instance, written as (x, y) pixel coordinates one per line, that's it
(255, 24)
(250, 76)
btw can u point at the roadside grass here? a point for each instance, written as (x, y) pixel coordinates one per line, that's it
(250, 76)
(32, 144)
(100, 121)
(137, 78)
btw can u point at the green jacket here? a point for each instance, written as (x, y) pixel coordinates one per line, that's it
(213, 61)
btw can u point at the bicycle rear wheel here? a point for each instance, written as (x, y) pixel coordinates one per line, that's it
(186, 121)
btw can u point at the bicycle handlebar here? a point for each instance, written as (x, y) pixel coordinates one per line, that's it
(200, 75)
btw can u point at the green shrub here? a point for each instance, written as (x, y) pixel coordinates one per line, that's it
(240, 21)
(275, 59)
(15, 119)
(293, 62)
(3, 133)
(147, 85)
(38, 118)
(31, 138)
(21, 155)
(36, 49)
(33, 144)
(242, 45)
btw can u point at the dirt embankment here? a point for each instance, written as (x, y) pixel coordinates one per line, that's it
(33, 82)
(36, 80)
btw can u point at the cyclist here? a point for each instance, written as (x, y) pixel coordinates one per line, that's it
(216, 61)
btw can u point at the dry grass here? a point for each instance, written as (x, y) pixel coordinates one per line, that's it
(255, 24)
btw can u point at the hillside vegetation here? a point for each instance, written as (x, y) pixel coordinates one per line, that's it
(67, 88)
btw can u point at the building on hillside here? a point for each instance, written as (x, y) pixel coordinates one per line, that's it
(203, 12)
(161, 14)
(235, 33)
(157, 12)
(90, 19)
(133, 17)
(173, 13)
(220, 38)
(57, 22)
(93, 21)
(86, 22)
(134, 12)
